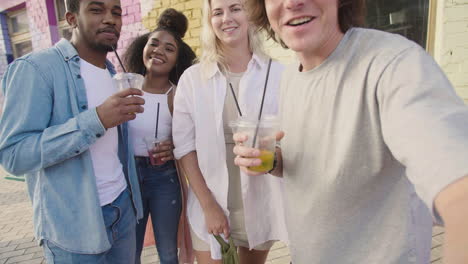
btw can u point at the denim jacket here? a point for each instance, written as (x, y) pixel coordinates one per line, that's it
(45, 134)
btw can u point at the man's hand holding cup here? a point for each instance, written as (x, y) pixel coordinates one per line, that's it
(120, 107)
(248, 157)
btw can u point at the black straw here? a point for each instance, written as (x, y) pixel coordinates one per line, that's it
(261, 105)
(157, 122)
(235, 99)
(121, 65)
(118, 58)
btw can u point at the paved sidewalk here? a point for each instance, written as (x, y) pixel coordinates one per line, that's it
(17, 243)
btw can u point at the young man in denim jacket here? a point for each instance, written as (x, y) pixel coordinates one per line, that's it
(64, 128)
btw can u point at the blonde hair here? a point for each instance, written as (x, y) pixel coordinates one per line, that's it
(211, 46)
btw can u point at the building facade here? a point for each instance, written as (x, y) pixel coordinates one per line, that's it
(440, 26)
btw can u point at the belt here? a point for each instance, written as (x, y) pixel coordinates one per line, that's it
(147, 161)
(143, 159)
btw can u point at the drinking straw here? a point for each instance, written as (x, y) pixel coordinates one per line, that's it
(157, 122)
(261, 105)
(121, 64)
(118, 58)
(235, 99)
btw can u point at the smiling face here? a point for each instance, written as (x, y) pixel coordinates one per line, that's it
(229, 22)
(306, 26)
(160, 53)
(97, 24)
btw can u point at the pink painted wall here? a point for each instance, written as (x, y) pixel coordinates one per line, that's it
(38, 24)
(132, 27)
(44, 31)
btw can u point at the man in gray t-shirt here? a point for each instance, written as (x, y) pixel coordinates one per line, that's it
(376, 141)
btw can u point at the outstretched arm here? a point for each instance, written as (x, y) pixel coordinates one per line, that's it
(452, 205)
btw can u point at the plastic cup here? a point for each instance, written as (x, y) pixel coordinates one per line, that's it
(127, 80)
(151, 143)
(265, 141)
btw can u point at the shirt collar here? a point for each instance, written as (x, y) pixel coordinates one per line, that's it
(69, 52)
(256, 61)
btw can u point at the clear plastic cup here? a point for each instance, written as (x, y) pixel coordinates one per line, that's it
(151, 143)
(127, 80)
(265, 138)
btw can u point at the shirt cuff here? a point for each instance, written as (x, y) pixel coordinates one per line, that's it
(91, 125)
(183, 150)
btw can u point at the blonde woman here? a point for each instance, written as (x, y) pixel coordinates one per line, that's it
(222, 200)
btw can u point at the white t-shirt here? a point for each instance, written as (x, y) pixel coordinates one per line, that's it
(371, 136)
(110, 179)
(144, 125)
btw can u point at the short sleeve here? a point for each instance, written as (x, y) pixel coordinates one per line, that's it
(424, 123)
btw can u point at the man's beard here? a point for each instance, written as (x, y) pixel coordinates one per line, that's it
(104, 47)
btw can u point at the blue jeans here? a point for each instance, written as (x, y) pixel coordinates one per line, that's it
(120, 220)
(160, 193)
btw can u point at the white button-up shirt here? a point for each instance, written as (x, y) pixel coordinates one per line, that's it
(198, 126)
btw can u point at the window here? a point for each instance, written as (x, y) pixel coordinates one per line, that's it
(22, 48)
(18, 28)
(409, 18)
(63, 27)
(60, 9)
(19, 22)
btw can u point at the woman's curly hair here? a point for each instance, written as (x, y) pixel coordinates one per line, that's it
(176, 24)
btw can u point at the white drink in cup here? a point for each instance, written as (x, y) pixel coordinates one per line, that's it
(127, 80)
(265, 139)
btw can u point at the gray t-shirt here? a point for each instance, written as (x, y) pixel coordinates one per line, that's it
(372, 135)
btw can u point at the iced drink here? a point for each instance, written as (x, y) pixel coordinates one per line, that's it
(155, 161)
(267, 158)
(127, 80)
(151, 144)
(265, 138)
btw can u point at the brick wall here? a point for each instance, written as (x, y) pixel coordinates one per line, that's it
(38, 24)
(140, 17)
(191, 8)
(453, 53)
(132, 27)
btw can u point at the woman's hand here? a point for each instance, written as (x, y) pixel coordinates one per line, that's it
(164, 151)
(215, 219)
